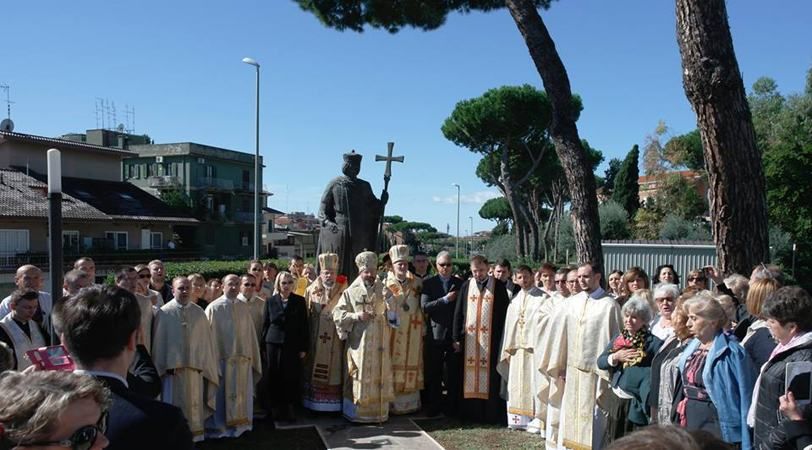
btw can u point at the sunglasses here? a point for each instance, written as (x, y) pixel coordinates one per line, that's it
(285, 282)
(81, 439)
(144, 276)
(444, 264)
(696, 279)
(249, 284)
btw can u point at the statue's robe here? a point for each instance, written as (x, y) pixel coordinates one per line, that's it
(323, 369)
(240, 367)
(479, 320)
(184, 355)
(516, 360)
(579, 332)
(368, 377)
(407, 342)
(350, 204)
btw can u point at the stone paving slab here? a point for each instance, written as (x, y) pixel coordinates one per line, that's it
(338, 433)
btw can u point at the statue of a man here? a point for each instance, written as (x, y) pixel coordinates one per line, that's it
(349, 215)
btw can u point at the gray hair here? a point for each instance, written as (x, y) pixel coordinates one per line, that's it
(443, 254)
(639, 307)
(666, 290)
(705, 306)
(32, 403)
(739, 284)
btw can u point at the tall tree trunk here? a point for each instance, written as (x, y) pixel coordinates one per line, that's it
(715, 89)
(563, 132)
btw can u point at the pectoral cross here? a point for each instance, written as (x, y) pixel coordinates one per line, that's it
(324, 338)
(415, 322)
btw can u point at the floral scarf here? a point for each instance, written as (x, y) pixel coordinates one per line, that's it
(628, 340)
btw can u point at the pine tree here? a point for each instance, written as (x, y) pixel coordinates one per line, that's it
(626, 191)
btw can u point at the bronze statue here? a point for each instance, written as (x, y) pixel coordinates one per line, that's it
(349, 214)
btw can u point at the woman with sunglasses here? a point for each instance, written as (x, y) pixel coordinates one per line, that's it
(696, 279)
(286, 339)
(52, 410)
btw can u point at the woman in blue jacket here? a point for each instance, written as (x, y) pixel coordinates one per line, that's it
(717, 376)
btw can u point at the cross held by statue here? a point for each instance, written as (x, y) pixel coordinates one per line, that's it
(387, 174)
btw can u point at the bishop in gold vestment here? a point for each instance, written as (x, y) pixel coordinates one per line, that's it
(579, 332)
(323, 368)
(364, 320)
(240, 365)
(403, 290)
(184, 355)
(519, 344)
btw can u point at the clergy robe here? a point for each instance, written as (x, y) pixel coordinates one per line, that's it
(147, 315)
(256, 306)
(15, 337)
(368, 377)
(479, 320)
(240, 367)
(407, 342)
(579, 332)
(184, 354)
(323, 369)
(516, 359)
(550, 389)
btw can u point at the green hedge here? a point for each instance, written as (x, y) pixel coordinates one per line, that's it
(209, 269)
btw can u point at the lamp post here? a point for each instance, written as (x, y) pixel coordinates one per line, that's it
(54, 226)
(457, 251)
(257, 213)
(471, 238)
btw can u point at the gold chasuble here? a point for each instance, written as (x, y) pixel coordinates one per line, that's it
(579, 331)
(322, 368)
(184, 354)
(368, 379)
(301, 285)
(478, 326)
(240, 366)
(519, 342)
(407, 342)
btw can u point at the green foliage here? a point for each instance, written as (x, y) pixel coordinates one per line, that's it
(177, 199)
(209, 269)
(678, 196)
(501, 247)
(392, 219)
(685, 150)
(614, 221)
(626, 191)
(647, 223)
(500, 229)
(677, 228)
(392, 16)
(609, 175)
(413, 227)
(496, 209)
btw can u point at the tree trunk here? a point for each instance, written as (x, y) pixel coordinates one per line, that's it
(714, 87)
(563, 132)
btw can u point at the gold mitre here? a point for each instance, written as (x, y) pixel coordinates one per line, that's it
(399, 253)
(328, 261)
(366, 260)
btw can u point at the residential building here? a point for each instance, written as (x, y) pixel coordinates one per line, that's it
(651, 184)
(216, 185)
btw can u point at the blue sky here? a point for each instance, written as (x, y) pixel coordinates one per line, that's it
(325, 92)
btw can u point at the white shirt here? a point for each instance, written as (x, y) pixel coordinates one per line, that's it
(45, 304)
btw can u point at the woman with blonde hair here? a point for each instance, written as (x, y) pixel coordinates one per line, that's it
(664, 372)
(717, 375)
(198, 292)
(758, 342)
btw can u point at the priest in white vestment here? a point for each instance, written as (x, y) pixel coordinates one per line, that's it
(516, 357)
(402, 290)
(240, 365)
(550, 389)
(579, 332)
(364, 319)
(256, 305)
(18, 329)
(184, 355)
(323, 369)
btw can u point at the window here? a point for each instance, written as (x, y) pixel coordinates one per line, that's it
(243, 239)
(153, 170)
(246, 179)
(156, 240)
(70, 240)
(117, 239)
(211, 171)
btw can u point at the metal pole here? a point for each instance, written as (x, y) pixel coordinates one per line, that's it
(457, 245)
(54, 230)
(471, 238)
(257, 209)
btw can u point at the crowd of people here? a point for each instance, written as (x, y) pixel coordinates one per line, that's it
(165, 363)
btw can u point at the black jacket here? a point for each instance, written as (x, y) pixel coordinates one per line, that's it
(136, 422)
(286, 325)
(143, 377)
(767, 433)
(440, 313)
(759, 347)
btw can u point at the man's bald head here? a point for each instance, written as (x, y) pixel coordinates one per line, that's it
(28, 277)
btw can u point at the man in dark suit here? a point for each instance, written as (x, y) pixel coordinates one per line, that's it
(98, 327)
(437, 302)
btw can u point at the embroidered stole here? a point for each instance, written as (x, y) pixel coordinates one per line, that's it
(478, 321)
(407, 339)
(327, 339)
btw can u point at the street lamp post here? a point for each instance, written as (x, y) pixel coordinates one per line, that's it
(471, 239)
(457, 251)
(54, 226)
(257, 213)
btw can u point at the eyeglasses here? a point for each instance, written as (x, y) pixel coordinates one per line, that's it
(81, 439)
(249, 284)
(444, 264)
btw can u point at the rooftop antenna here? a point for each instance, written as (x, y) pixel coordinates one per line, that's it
(129, 119)
(6, 124)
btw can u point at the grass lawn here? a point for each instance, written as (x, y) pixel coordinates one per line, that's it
(454, 434)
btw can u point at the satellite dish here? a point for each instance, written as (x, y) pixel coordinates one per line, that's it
(7, 125)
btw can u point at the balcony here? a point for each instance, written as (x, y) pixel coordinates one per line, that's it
(215, 183)
(164, 182)
(244, 217)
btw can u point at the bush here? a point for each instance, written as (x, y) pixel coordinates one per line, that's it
(209, 269)
(677, 228)
(614, 221)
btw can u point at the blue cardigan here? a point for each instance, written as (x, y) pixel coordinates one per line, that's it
(729, 378)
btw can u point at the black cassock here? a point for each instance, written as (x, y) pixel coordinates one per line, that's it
(494, 409)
